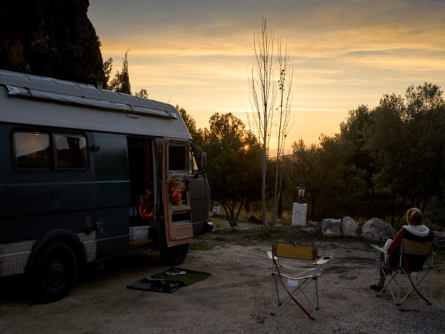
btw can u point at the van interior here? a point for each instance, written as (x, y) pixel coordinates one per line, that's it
(142, 178)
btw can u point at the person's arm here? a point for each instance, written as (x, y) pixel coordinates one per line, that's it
(395, 245)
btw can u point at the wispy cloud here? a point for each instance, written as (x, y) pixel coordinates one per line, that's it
(344, 53)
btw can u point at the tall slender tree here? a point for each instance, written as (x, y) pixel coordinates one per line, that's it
(262, 100)
(283, 126)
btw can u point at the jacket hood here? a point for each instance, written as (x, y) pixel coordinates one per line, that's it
(420, 231)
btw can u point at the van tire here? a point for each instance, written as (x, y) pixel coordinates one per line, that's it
(53, 272)
(174, 256)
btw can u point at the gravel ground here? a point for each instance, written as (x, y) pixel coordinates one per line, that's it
(235, 299)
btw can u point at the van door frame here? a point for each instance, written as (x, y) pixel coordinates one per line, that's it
(183, 233)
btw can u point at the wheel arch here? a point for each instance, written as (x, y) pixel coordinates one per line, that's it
(66, 236)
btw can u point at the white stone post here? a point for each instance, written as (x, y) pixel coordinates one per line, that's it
(299, 212)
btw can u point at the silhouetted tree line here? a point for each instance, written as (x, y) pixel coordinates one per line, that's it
(384, 160)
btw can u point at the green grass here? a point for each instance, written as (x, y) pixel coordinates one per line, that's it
(201, 245)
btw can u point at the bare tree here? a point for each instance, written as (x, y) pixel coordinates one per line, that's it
(283, 127)
(262, 100)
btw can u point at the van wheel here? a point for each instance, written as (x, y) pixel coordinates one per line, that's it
(174, 256)
(53, 272)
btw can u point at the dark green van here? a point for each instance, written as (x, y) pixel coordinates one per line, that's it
(87, 175)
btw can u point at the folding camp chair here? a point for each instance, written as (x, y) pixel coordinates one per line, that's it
(308, 275)
(412, 256)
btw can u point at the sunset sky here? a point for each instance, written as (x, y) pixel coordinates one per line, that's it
(197, 53)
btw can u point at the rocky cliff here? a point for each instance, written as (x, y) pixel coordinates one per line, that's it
(52, 38)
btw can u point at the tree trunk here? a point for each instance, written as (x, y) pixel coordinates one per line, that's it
(247, 206)
(393, 219)
(280, 206)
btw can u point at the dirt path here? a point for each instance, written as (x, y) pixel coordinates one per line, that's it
(236, 298)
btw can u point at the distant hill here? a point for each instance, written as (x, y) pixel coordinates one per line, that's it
(52, 38)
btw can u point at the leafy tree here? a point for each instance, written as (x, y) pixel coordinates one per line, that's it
(121, 82)
(324, 171)
(232, 169)
(405, 139)
(190, 123)
(108, 66)
(142, 93)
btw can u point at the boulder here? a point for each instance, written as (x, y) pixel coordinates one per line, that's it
(254, 219)
(314, 224)
(310, 230)
(377, 229)
(440, 239)
(331, 227)
(349, 228)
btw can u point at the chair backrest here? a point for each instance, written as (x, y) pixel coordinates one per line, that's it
(417, 248)
(294, 251)
(416, 253)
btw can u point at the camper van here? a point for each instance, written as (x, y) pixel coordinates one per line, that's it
(87, 175)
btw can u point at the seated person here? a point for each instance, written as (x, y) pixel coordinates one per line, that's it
(415, 231)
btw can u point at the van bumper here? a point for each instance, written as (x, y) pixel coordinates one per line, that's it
(202, 228)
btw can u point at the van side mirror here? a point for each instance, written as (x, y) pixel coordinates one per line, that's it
(203, 161)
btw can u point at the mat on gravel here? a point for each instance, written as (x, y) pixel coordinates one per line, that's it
(190, 277)
(167, 283)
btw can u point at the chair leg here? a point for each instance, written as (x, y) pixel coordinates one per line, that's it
(315, 298)
(431, 281)
(398, 289)
(318, 307)
(273, 295)
(278, 292)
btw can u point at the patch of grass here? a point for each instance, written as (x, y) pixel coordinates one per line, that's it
(219, 215)
(201, 245)
(219, 239)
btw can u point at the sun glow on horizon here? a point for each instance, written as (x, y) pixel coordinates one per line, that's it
(198, 55)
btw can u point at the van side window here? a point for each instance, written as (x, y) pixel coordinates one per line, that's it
(70, 150)
(32, 150)
(177, 157)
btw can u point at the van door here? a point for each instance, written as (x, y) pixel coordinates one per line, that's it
(177, 214)
(199, 190)
(113, 194)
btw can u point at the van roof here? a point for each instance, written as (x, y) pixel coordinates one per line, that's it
(81, 106)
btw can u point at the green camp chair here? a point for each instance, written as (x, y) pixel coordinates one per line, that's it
(307, 275)
(412, 256)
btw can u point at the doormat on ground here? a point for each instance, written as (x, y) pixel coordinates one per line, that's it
(167, 283)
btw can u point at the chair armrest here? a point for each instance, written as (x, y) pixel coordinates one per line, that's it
(325, 259)
(269, 254)
(379, 249)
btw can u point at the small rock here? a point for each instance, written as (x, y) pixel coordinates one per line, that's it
(245, 229)
(377, 229)
(236, 228)
(440, 239)
(310, 230)
(331, 227)
(349, 227)
(254, 219)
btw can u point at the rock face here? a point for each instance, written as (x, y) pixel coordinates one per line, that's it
(349, 228)
(331, 227)
(52, 38)
(377, 229)
(440, 240)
